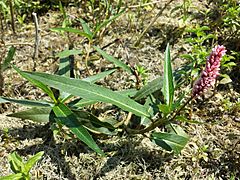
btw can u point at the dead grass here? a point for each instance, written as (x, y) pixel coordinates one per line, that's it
(213, 150)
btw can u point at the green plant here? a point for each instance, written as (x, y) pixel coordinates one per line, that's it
(158, 111)
(90, 33)
(21, 170)
(4, 65)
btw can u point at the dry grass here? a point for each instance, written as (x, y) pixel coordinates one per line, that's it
(212, 153)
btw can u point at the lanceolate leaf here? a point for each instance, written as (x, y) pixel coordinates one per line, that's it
(105, 23)
(8, 59)
(72, 30)
(39, 115)
(67, 53)
(67, 117)
(12, 177)
(93, 124)
(16, 162)
(89, 91)
(80, 103)
(174, 140)
(26, 102)
(99, 76)
(86, 28)
(150, 88)
(168, 87)
(112, 59)
(32, 161)
(37, 83)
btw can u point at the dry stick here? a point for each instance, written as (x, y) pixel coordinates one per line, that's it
(1, 23)
(159, 122)
(36, 44)
(12, 16)
(152, 22)
(87, 56)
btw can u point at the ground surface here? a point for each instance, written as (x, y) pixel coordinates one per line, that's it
(213, 151)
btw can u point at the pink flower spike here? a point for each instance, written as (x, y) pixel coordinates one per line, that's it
(211, 71)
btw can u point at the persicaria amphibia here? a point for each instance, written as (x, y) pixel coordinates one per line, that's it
(211, 71)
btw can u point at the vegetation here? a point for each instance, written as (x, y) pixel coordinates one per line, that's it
(95, 81)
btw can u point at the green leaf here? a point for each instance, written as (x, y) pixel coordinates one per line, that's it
(86, 28)
(168, 87)
(62, 10)
(37, 83)
(32, 161)
(150, 106)
(150, 88)
(188, 57)
(184, 119)
(165, 109)
(226, 79)
(177, 103)
(175, 140)
(89, 91)
(68, 118)
(64, 67)
(8, 59)
(40, 115)
(67, 53)
(93, 124)
(80, 103)
(166, 140)
(17, 176)
(99, 76)
(16, 162)
(26, 102)
(229, 65)
(106, 22)
(71, 30)
(112, 59)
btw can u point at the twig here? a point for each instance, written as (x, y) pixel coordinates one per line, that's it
(87, 56)
(12, 16)
(1, 23)
(152, 22)
(36, 44)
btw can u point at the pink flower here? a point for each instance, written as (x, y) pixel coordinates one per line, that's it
(211, 71)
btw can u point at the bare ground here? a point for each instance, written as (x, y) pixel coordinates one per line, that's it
(212, 152)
